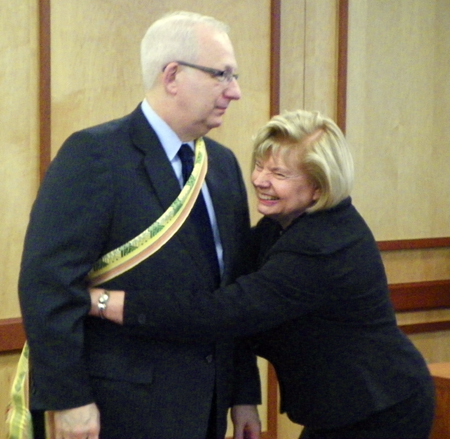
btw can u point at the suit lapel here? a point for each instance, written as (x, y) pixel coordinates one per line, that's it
(224, 211)
(165, 185)
(159, 169)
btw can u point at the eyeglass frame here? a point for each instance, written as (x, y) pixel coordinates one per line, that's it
(221, 75)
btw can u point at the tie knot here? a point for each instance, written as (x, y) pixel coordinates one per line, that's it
(187, 160)
(185, 153)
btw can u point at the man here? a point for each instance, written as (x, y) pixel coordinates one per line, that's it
(106, 185)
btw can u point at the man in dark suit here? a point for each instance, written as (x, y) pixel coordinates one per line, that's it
(106, 185)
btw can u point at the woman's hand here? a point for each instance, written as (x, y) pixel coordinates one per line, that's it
(114, 306)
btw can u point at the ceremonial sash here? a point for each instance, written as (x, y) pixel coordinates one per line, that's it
(109, 266)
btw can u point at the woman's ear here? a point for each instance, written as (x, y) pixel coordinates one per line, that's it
(317, 194)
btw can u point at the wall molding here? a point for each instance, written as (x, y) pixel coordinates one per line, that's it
(422, 296)
(12, 335)
(413, 244)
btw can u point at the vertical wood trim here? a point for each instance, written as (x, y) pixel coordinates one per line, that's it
(44, 86)
(275, 70)
(275, 54)
(272, 404)
(342, 64)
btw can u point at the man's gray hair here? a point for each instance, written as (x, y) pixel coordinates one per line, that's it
(172, 38)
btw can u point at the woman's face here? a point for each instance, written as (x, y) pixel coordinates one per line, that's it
(283, 190)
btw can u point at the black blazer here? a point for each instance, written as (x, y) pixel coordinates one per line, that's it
(105, 186)
(320, 306)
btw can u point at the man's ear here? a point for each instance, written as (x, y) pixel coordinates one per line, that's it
(170, 76)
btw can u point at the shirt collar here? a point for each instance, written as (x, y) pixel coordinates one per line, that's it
(168, 138)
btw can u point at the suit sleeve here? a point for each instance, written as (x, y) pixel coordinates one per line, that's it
(67, 228)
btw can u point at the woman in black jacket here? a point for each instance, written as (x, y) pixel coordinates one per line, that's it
(317, 306)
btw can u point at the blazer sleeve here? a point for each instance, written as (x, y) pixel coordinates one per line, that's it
(279, 291)
(247, 383)
(328, 262)
(67, 229)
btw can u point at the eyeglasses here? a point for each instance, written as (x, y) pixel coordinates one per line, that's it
(221, 75)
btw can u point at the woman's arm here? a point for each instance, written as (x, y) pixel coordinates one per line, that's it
(278, 292)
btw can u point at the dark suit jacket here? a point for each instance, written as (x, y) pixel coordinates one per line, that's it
(321, 306)
(106, 185)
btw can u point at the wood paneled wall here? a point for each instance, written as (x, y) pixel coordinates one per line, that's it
(387, 88)
(19, 162)
(398, 101)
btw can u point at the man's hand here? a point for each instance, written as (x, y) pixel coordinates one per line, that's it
(78, 423)
(246, 422)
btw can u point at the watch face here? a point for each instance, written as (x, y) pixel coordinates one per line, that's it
(104, 297)
(102, 303)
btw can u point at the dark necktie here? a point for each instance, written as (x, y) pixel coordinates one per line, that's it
(199, 215)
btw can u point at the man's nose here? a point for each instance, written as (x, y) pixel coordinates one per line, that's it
(233, 91)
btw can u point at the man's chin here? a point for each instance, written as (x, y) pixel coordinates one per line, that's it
(215, 123)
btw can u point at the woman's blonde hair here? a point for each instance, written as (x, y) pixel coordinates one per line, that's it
(318, 147)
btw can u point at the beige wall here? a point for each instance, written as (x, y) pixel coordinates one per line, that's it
(18, 155)
(397, 115)
(398, 106)
(397, 122)
(18, 138)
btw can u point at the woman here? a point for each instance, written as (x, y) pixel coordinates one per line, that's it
(317, 306)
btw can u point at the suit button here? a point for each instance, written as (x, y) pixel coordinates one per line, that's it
(142, 319)
(209, 359)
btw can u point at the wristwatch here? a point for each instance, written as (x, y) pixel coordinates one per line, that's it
(103, 303)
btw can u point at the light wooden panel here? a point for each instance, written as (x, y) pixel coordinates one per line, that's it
(434, 346)
(321, 56)
(417, 265)
(18, 157)
(308, 55)
(292, 65)
(397, 115)
(18, 139)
